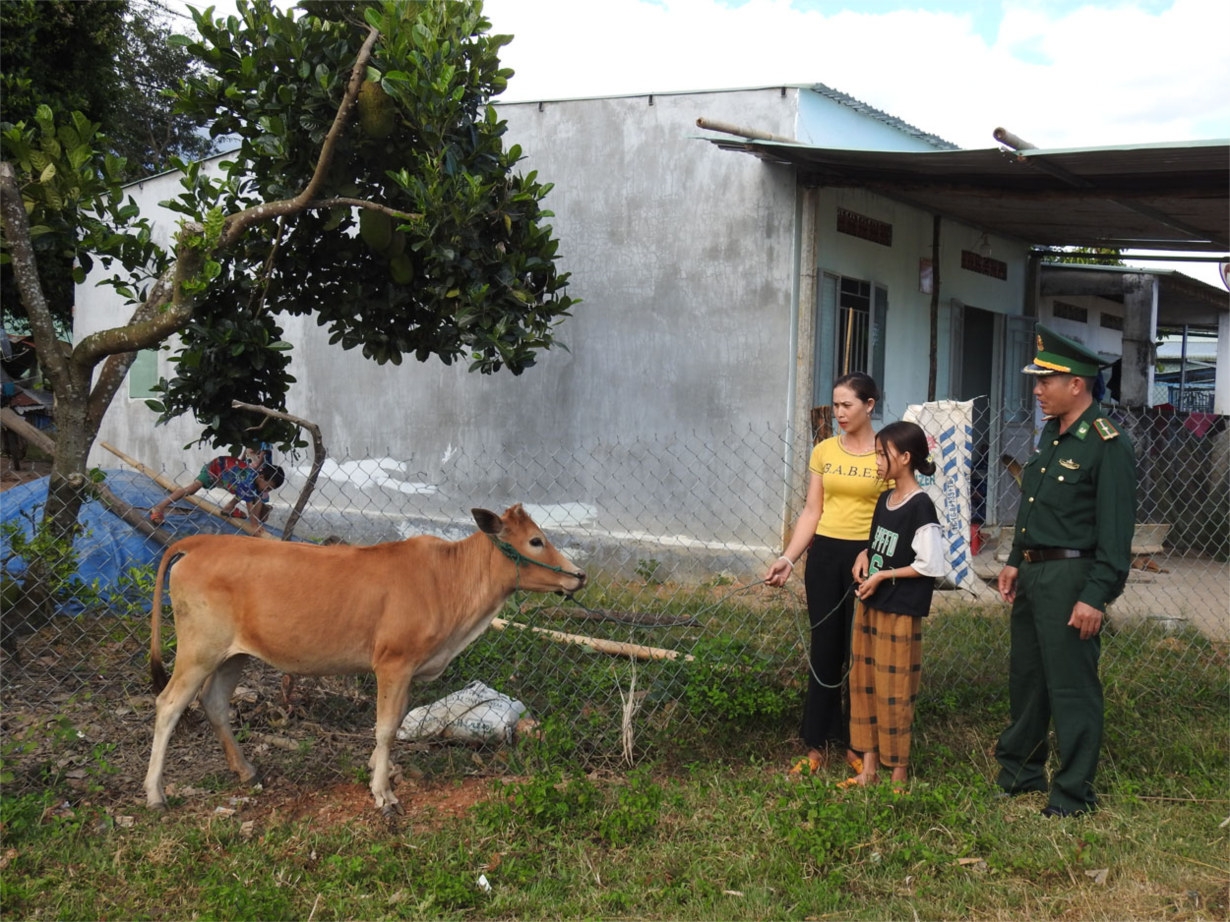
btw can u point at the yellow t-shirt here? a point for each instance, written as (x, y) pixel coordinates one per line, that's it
(851, 488)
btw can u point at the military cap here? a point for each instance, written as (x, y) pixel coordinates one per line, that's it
(1058, 355)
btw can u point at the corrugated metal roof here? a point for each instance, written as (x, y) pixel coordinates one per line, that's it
(871, 111)
(1181, 298)
(1149, 196)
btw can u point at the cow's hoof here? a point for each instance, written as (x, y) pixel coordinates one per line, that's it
(388, 811)
(157, 806)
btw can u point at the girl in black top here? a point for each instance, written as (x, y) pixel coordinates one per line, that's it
(896, 579)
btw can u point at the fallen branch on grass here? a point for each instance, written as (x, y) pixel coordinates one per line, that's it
(650, 619)
(613, 647)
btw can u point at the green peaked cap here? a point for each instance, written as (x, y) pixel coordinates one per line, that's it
(1058, 355)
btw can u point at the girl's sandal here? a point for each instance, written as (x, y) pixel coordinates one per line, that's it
(156, 517)
(809, 764)
(852, 783)
(856, 764)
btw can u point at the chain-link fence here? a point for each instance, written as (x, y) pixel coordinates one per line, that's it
(675, 533)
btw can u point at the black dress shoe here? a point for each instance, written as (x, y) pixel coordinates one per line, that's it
(1052, 810)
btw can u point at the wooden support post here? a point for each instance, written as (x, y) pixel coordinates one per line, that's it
(935, 307)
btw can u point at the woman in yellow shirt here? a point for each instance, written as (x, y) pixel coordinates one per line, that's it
(834, 526)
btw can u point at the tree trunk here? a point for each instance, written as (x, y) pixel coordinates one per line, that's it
(74, 435)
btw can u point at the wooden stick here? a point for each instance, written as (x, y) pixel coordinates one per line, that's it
(129, 514)
(318, 460)
(614, 647)
(12, 421)
(168, 484)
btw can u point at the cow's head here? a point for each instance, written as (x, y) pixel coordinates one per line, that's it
(541, 568)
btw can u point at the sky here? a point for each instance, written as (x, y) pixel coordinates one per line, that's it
(1058, 73)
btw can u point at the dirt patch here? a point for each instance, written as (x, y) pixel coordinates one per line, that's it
(30, 470)
(94, 746)
(427, 804)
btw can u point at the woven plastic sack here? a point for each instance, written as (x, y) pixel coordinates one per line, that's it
(475, 714)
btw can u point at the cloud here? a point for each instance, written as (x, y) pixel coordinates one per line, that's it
(1062, 75)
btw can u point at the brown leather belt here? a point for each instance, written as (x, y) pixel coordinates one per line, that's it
(1039, 554)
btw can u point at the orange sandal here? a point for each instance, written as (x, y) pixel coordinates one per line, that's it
(851, 783)
(810, 764)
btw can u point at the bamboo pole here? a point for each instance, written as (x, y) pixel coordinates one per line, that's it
(614, 647)
(203, 504)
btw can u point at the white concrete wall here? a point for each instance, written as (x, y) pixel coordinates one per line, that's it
(825, 122)
(1091, 334)
(908, 342)
(683, 255)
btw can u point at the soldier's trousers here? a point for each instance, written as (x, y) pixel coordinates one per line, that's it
(1053, 675)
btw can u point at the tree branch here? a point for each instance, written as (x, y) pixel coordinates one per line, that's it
(25, 270)
(238, 223)
(165, 310)
(111, 375)
(360, 203)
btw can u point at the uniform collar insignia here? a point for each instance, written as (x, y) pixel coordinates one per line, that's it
(1082, 430)
(1069, 464)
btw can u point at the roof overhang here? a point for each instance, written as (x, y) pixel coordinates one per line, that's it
(1182, 300)
(1155, 196)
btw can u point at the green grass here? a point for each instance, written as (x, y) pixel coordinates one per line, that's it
(708, 828)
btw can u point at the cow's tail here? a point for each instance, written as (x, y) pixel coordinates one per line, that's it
(157, 673)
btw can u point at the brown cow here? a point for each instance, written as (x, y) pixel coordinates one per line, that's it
(403, 610)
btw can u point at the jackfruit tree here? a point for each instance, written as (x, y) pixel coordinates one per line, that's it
(370, 189)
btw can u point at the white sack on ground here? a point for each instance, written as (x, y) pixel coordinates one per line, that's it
(475, 714)
(949, 428)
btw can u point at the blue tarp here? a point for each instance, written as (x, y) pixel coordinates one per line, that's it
(108, 546)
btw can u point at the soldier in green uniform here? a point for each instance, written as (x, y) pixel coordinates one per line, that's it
(1071, 552)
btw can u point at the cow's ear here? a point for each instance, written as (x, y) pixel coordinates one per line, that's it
(488, 522)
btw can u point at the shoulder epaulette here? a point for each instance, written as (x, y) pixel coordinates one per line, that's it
(1106, 429)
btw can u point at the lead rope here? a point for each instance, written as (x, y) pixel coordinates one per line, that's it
(518, 558)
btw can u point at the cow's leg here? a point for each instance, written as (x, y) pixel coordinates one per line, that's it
(175, 698)
(216, 701)
(392, 703)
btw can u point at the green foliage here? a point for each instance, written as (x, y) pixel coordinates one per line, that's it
(142, 125)
(545, 803)
(75, 204)
(108, 60)
(59, 53)
(732, 684)
(647, 569)
(636, 812)
(469, 271)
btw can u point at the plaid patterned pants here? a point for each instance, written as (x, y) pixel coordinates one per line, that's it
(886, 655)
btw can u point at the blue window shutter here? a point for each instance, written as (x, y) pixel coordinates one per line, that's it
(825, 354)
(879, 328)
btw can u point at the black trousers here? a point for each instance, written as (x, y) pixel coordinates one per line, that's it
(826, 714)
